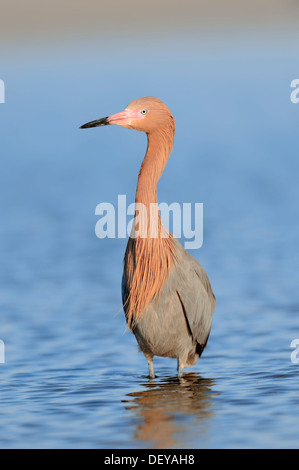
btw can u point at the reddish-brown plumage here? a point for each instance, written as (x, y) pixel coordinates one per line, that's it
(148, 260)
(167, 296)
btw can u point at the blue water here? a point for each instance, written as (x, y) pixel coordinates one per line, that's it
(73, 376)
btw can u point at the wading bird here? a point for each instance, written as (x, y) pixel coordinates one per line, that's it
(167, 296)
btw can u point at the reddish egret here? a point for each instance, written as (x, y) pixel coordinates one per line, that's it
(167, 296)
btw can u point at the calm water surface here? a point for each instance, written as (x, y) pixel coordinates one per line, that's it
(73, 376)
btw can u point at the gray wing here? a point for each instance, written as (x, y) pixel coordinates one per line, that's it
(186, 299)
(195, 295)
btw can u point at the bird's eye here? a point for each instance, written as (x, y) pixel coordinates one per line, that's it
(144, 111)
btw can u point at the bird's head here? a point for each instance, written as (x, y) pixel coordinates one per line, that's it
(144, 114)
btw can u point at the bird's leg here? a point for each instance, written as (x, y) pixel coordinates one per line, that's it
(149, 359)
(180, 368)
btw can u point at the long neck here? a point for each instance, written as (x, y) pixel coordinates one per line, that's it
(159, 146)
(148, 259)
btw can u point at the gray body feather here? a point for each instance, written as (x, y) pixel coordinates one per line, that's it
(177, 324)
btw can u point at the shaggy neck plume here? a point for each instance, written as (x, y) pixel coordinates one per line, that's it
(150, 251)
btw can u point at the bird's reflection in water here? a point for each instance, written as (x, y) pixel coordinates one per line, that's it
(170, 407)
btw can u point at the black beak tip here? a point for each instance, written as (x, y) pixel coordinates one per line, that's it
(97, 123)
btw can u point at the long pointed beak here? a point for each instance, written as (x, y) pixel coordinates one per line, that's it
(98, 122)
(121, 119)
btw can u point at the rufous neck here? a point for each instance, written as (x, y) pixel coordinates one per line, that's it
(159, 146)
